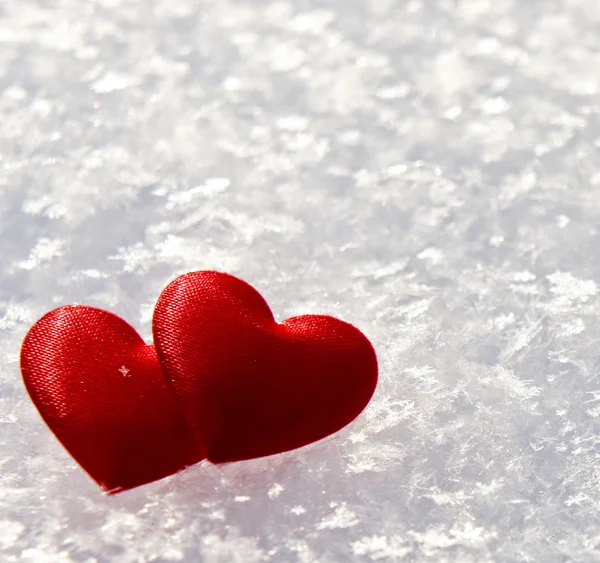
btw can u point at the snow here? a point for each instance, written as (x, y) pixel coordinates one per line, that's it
(425, 170)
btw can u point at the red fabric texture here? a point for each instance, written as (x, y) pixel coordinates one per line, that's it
(100, 389)
(248, 386)
(225, 382)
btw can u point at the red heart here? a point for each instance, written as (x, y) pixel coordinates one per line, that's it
(100, 389)
(251, 387)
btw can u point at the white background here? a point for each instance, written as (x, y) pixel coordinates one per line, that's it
(427, 170)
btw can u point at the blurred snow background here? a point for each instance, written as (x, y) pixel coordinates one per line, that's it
(427, 170)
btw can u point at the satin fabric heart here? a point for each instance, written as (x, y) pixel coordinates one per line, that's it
(101, 390)
(251, 387)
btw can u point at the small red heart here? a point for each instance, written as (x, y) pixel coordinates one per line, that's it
(100, 389)
(251, 387)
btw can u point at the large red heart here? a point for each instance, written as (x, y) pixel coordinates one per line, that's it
(100, 389)
(251, 387)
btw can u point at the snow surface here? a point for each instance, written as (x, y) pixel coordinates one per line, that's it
(426, 169)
